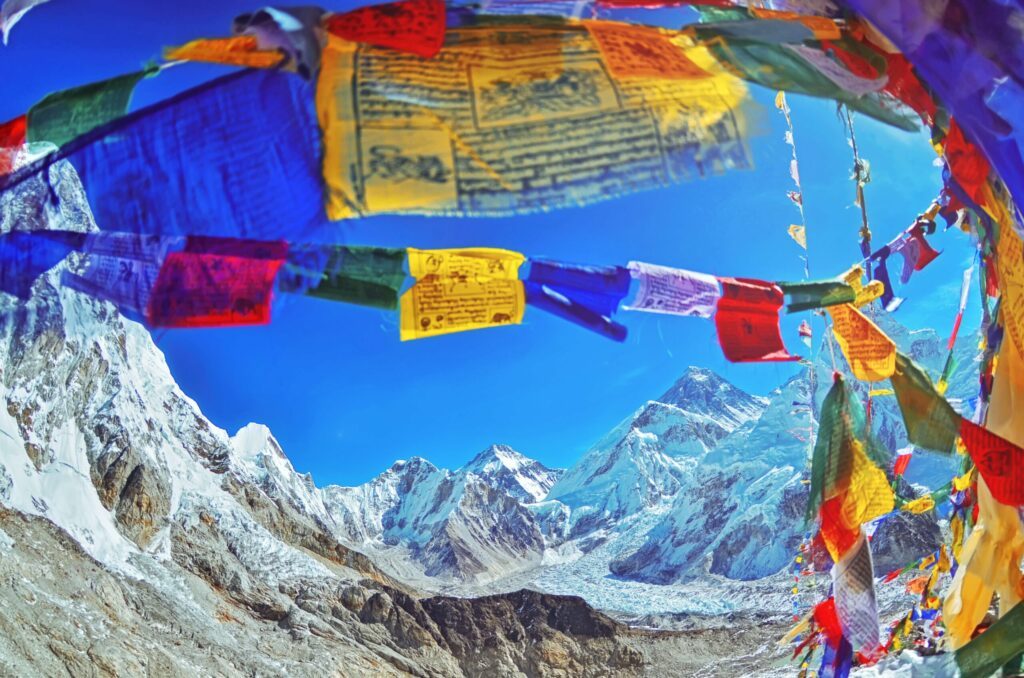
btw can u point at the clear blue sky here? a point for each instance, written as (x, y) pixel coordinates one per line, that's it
(346, 398)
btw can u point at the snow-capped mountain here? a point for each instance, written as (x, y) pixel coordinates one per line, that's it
(138, 538)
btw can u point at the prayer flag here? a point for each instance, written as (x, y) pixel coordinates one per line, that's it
(241, 50)
(216, 282)
(562, 303)
(920, 505)
(413, 26)
(854, 585)
(1000, 462)
(127, 283)
(673, 290)
(504, 122)
(461, 289)
(235, 157)
(869, 352)
(603, 286)
(930, 421)
(798, 234)
(12, 137)
(807, 295)
(368, 276)
(902, 461)
(62, 116)
(747, 320)
(994, 648)
(25, 255)
(1010, 252)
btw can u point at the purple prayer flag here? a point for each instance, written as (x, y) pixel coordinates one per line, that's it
(673, 290)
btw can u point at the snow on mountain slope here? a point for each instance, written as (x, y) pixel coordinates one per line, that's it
(642, 461)
(469, 524)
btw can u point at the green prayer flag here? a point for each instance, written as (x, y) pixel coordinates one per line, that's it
(368, 276)
(931, 421)
(778, 68)
(997, 646)
(804, 296)
(63, 116)
(837, 428)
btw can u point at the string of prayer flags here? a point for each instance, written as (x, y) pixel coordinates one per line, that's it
(870, 353)
(503, 122)
(458, 290)
(12, 12)
(240, 50)
(413, 26)
(62, 116)
(814, 294)
(747, 320)
(294, 31)
(367, 276)
(930, 421)
(853, 583)
(585, 295)
(198, 163)
(1000, 462)
(216, 282)
(674, 291)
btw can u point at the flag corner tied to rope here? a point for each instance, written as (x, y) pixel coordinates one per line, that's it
(930, 420)
(461, 289)
(747, 320)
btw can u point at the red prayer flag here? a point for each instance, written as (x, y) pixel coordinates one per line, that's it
(827, 620)
(747, 319)
(211, 285)
(414, 26)
(902, 462)
(12, 136)
(926, 254)
(968, 166)
(1000, 462)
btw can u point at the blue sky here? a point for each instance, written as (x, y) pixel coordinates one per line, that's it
(345, 398)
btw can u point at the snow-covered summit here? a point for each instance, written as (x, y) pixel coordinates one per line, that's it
(523, 478)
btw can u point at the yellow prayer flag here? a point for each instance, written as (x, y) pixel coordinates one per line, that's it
(241, 50)
(870, 353)
(521, 115)
(961, 483)
(798, 234)
(920, 505)
(867, 496)
(879, 392)
(780, 100)
(461, 289)
(1010, 253)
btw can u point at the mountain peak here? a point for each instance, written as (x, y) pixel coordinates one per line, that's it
(524, 478)
(702, 391)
